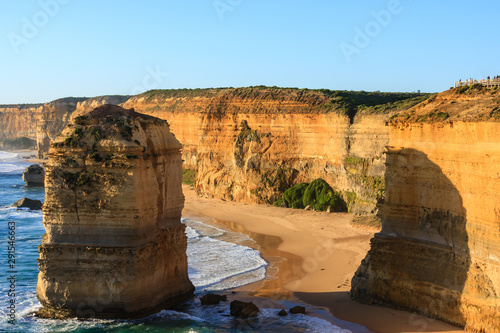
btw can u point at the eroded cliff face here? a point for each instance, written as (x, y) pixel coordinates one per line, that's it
(439, 248)
(20, 120)
(252, 147)
(43, 122)
(115, 246)
(250, 144)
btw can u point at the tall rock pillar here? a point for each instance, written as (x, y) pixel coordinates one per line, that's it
(115, 246)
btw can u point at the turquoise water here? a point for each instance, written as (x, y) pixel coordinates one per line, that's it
(217, 262)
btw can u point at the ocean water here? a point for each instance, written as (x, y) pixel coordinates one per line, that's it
(218, 261)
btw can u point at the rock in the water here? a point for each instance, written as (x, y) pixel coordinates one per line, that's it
(115, 245)
(28, 203)
(282, 313)
(34, 175)
(243, 309)
(298, 309)
(212, 299)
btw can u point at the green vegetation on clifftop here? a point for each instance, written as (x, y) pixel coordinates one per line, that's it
(313, 100)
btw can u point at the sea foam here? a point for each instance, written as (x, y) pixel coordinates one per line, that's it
(217, 265)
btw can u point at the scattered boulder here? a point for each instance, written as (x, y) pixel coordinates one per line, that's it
(212, 299)
(298, 309)
(308, 207)
(28, 203)
(282, 313)
(34, 175)
(243, 309)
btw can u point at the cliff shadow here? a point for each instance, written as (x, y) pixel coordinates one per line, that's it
(421, 258)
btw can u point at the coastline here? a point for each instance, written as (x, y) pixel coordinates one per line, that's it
(313, 258)
(26, 156)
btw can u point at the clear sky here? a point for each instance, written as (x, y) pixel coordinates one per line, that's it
(58, 48)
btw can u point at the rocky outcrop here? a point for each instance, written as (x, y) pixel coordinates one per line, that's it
(90, 104)
(298, 309)
(243, 310)
(28, 203)
(439, 248)
(212, 299)
(115, 246)
(55, 115)
(34, 175)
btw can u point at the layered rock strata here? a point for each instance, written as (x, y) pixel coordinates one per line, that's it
(252, 144)
(249, 144)
(115, 246)
(439, 249)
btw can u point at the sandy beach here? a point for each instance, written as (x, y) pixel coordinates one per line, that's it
(313, 256)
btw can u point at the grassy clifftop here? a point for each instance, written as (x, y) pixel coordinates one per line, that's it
(469, 103)
(311, 100)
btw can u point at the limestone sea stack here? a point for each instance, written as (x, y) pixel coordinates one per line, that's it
(34, 175)
(115, 246)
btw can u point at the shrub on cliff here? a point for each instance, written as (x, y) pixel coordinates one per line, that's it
(319, 195)
(293, 196)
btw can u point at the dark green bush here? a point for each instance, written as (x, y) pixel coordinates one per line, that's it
(319, 195)
(95, 156)
(293, 196)
(188, 177)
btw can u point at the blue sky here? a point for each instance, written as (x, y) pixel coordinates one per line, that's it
(58, 48)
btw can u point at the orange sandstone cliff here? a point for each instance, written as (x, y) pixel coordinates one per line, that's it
(430, 166)
(439, 249)
(251, 144)
(115, 245)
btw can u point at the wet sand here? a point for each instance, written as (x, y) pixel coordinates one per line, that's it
(312, 256)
